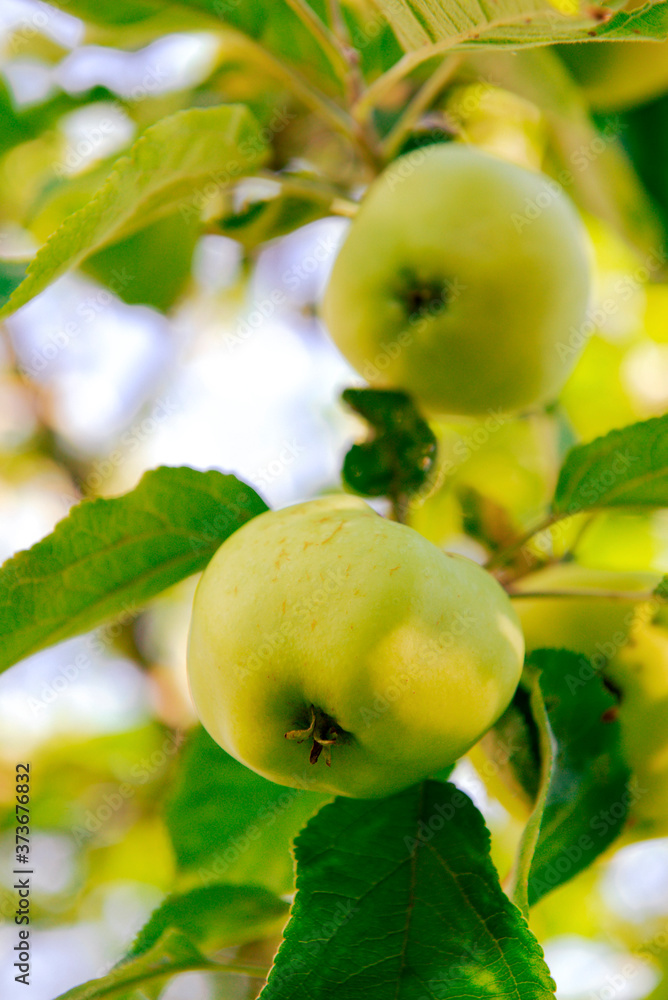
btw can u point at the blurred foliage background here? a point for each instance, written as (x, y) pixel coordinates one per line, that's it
(175, 346)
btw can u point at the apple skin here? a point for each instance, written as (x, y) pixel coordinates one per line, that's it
(593, 627)
(446, 288)
(412, 652)
(640, 674)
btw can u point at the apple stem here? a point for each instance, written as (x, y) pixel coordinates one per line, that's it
(324, 732)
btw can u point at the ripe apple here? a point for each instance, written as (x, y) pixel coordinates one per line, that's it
(640, 675)
(333, 649)
(462, 280)
(593, 626)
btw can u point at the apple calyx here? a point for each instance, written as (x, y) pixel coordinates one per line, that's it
(324, 732)
(422, 298)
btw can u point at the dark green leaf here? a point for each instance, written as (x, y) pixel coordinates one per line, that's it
(227, 823)
(152, 266)
(12, 274)
(400, 453)
(171, 167)
(626, 468)
(110, 556)
(398, 900)
(587, 796)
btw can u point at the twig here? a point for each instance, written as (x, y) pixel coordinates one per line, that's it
(419, 103)
(328, 40)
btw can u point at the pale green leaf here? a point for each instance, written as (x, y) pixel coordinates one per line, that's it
(110, 556)
(174, 166)
(430, 26)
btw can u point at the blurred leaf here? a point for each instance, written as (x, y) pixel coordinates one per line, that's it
(108, 555)
(583, 801)
(628, 467)
(399, 456)
(485, 520)
(12, 273)
(22, 124)
(263, 220)
(398, 898)
(226, 822)
(645, 136)
(214, 917)
(169, 167)
(150, 267)
(172, 954)
(274, 25)
(426, 25)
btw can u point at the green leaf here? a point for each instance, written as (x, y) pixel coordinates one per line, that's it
(152, 266)
(173, 954)
(228, 823)
(109, 556)
(12, 273)
(174, 165)
(215, 916)
(397, 899)
(266, 219)
(626, 468)
(431, 26)
(584, 796)
(399, 455)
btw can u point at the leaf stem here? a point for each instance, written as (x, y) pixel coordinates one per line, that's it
(517, 884)
(317, 190)
(328, 41)
(638, 596)
(312, 97)
(424, 97)
(504, 556)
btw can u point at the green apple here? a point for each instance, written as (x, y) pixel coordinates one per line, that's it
(596, 627)
(463, 280)
(639, 674)
(336, 650)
